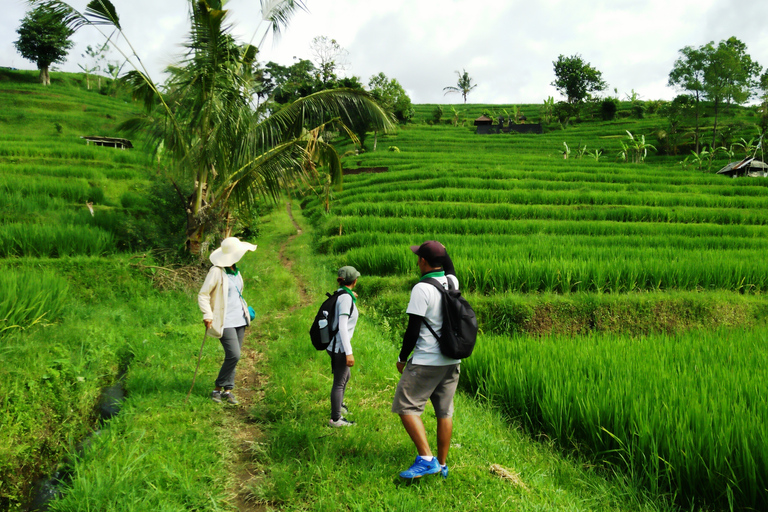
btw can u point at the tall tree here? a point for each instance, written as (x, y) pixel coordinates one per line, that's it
(329, 58)
(224, 155)
(730, 75)
(688, 75)
(44, 38)
(721, 73)
(576, 79)
(464, 85)
(391, 95)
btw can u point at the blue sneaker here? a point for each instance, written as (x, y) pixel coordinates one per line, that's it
(420, 468)
(444, 471)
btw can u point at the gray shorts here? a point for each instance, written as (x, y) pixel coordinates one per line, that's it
(420, 383)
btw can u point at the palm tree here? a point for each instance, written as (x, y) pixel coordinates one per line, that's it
(223, 154)
(464, 85)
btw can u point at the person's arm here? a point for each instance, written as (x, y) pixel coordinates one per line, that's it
(410, 338)
(344, 333)
(204, 296)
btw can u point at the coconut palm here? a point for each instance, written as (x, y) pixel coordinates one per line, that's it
(223, 154)
(463, 86)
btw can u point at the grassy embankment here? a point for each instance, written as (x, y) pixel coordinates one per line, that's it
(76, 309)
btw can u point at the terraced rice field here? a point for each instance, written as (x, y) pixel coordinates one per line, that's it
(682, 411)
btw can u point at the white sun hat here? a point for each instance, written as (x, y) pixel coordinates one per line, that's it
(230, 252)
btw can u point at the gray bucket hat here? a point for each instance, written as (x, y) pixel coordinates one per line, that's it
(348, 274)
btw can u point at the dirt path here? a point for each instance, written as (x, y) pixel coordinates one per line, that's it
(246, 434)
(288, 264)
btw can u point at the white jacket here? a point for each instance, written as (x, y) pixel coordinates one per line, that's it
(212, 300)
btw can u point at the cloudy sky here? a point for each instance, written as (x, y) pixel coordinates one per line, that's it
(506, 46)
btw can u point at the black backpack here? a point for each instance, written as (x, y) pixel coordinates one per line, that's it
(459, 332)
(326, 324)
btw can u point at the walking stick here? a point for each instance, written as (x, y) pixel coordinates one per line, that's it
(199, 356)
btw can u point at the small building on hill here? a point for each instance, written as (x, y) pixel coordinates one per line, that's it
(484, 125)
(747, 167)
(110, 142)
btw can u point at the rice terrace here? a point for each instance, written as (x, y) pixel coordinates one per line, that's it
(620, 284)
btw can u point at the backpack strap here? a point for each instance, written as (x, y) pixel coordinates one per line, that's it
(437, 284)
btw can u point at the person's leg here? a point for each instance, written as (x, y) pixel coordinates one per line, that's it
(444, 433)
(340, 379)
(442, 400)
(415, 428)
(232, 342)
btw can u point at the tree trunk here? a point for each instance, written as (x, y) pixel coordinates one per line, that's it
(375, 139)
(45, 77)
(714, 130)
(696, 136)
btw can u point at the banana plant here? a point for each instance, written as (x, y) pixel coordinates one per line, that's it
(566, 152)
(548, 110)
(747, 146)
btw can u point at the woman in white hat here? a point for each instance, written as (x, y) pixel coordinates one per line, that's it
(225, 312)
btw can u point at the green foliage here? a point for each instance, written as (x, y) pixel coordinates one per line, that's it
(608, 108)
(576, 79)
(563, 112)
(437, 114)
(463, 86)
(44, 38)
(391, 95)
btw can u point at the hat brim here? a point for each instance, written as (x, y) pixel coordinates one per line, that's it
(415, 249)
(220, 259)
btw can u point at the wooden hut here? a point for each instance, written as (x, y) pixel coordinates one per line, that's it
(110, 142)
(747, 167)
(484, 125)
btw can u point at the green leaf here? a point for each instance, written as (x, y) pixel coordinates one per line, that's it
(102, 12)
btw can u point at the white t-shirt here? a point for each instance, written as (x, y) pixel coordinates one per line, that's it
(235, 311)
(342, 342)
(425, 301)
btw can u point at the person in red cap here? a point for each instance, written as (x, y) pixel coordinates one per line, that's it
(428, 375)
(225, 312)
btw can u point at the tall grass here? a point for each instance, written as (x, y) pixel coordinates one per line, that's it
(683, 413)
(46, 240)
(28, 298)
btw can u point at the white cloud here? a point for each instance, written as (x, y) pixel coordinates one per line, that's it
(507, 46)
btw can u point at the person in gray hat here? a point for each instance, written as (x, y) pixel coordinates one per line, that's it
(340, 348)
(428, 375)
(225, 312)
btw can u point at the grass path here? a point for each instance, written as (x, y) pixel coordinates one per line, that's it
(286, 458)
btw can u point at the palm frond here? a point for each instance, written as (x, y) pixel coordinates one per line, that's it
(268, 174)
(319, 108)
(102, 12)
(279, 12)
(71, 17)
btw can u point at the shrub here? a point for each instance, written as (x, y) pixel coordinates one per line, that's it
(608, 109)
